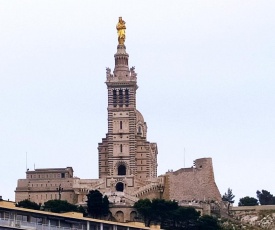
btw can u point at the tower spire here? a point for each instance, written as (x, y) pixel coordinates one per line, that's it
(121, 57)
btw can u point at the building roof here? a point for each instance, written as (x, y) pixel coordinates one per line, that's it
(72, 215)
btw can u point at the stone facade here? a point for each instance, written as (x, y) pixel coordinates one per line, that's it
(127, 162)
(41, 185)
(193, 184)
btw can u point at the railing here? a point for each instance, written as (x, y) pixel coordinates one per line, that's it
(30, 225)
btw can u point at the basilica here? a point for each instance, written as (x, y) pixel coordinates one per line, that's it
(127, 161)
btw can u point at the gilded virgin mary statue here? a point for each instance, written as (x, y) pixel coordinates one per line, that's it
(121, 31)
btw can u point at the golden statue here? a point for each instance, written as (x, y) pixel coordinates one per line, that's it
(120, 26)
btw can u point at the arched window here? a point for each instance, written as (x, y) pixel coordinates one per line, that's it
(121, 170)
(133, 216)
(120, 98)
(126, 97)
(120, 187)
(139, 130)
(114, 98)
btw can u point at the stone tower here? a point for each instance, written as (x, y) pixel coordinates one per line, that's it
(126, 158)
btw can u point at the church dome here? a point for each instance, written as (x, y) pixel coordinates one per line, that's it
(141, 126)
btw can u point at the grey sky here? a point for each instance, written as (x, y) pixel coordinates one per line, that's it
(205, 75)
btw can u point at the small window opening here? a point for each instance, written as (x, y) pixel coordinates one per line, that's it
(114, 98)
(120, 124)
(120, 98)
(121, 148)
(126, 97)
(139, 130)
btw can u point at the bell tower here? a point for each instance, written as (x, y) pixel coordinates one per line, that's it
(125, 157)
(122, 86)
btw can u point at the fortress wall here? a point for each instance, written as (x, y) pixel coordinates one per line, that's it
(154, 194)
(166, 194)
(196, 183)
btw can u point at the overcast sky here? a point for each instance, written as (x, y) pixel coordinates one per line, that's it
(205, 74)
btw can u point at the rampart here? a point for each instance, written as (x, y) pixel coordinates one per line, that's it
(192, 184)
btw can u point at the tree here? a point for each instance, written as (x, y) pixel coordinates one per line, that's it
(59, 206)
(144, 208)
(228, 197)
(105, 206)
(183, 218)
(208, 223)
(98, 206)
(248, 201)
(265, 198)
(163, 210)
(168, 214)
(28, 204)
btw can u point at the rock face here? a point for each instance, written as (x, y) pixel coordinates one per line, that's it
(261, 221)
(255, 217)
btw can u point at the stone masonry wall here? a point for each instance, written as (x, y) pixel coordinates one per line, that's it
(193, 184)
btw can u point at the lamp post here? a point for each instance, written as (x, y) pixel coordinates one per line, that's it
(60, 190)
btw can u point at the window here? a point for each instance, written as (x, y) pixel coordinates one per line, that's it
(62, 175)
(126, 97)
(120, 124)
(120, 98)
(121, 148)
(114, 98)
(121, 170)
(139, 130)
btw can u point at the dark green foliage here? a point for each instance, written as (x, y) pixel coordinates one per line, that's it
(248, 201)
(105, 206)
(144, 208)
(183, 218)
(28, 204)
(59, 206)
(229, 197)
(265, 198)
(208, 223)
(170, 216)
(98, 206)
(162, 209)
